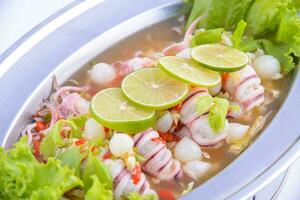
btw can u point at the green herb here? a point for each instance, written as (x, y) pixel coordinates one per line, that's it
(207, 37)
(137, 196)
(238, 34)
(71, 158)
(217, 114)
(203, 104)
(54, 140)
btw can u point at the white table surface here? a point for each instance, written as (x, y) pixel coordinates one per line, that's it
(17, 17)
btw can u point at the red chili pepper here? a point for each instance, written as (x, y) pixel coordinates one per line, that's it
(158, 139)
(106, 129)
(166, 195)
(107, 155)
(169, 137)
(136, 174)
(225, 76)
(178, 107)
(40, 126)
(36, 148)
(79, 142)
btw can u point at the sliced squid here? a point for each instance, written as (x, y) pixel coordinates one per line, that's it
(244, 87)
(183, 132)
(188, 109)
(181, 46)
(122, 179)
(204, 135)
(133, 64)
(159, 159)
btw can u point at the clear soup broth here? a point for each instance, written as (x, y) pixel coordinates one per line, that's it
(154, 39)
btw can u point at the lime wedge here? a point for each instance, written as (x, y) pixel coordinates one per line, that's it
(219, 58)
(112, 110)
(152, 88)
(189, 72)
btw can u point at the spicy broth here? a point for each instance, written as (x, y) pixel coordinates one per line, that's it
(148, 43)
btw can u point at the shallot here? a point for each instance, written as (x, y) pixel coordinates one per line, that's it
(102, 73)
(164, 122)
(120, 144)
(93, 131)
(267, 67)
(237, 132)
(196, 168)
(187, 150)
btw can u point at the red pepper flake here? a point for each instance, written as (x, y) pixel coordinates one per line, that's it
(136, 174)
(166, 195)
(80, 142)
(169, 137)
(225, 77)
(106, 129)
(40, 125)
(107, 155)
(178, 107)
(36, 148)
(158, 139)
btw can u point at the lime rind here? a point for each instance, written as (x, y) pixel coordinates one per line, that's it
(188, 71)
(219, 57)
(139, 88)
(106, 109)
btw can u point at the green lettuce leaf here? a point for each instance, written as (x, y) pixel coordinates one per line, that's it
(137, 196)
(207, 37)
(250, 44)
(23, 177)
(217, 114)
(203, 104)
(95, 166)
(238, 34)
(98, 190)
(226, 13)
(198, 9)
(284, 53)
(264, 16)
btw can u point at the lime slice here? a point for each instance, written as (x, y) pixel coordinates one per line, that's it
(112, 110)
(152, 88)
(189, 72)
(219, 58)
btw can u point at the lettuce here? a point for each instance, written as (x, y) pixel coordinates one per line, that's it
(207, 37)
(217, 114)
(273, 25)
(199, 7)
(226, 13)
(23, 177)
(98, 191)
(95, 166)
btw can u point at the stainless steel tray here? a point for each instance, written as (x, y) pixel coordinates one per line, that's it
(27, 80)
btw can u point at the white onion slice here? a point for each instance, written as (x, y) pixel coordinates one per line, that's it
(93, 130)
